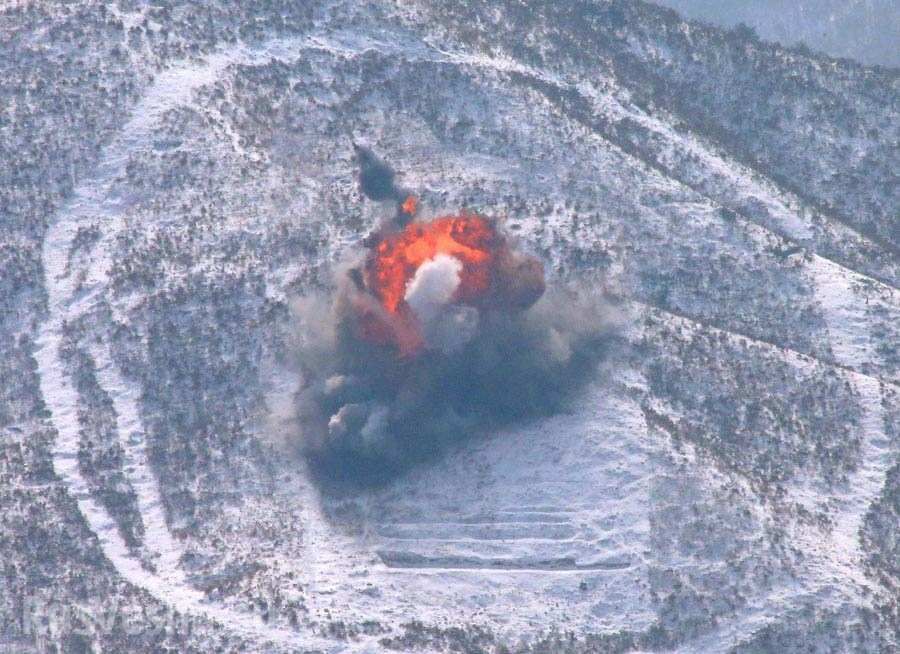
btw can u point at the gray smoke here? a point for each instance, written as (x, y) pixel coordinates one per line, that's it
(445, 326)
(368, 415)
(376, 178)
(369, 409)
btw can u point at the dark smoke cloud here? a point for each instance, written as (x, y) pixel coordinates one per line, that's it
(376, 178)
(368, 414)
(376, 181)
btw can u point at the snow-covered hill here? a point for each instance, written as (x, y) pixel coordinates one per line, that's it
(173, 177)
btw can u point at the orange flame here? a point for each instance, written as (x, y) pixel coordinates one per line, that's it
(394, 260)
(469, 238)
(410, 204)
(491, 276)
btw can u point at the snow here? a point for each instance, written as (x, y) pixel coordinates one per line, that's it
(851, 331)
(71, 295)
(834, 563)
(504, 531)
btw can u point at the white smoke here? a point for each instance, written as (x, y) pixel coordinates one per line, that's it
(445, 326)
(433, 286)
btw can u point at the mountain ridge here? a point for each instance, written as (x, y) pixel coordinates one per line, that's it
(748, 483)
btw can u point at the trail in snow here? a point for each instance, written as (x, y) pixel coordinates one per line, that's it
(835, 563)
(71, 295)
(851, 340)
(161, 545)
(523, 483)
(849, 327)
(722, 172)
(825, 573)
(326, 553)
(95, 199)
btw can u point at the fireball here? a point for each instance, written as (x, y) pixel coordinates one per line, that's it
(486, 275)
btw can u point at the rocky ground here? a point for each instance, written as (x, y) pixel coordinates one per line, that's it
(173, 176)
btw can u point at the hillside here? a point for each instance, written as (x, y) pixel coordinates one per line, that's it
(173, 178)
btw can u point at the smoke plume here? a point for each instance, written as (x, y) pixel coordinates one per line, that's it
(438, 331)
(376, 181)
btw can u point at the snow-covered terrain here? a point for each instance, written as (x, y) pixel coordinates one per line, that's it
(727, 482)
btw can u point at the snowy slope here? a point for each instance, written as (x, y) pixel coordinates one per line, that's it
(717, 487)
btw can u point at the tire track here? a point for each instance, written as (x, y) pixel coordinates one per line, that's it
(835, 569)
(68, 298)
(72, 295)
(720, 170)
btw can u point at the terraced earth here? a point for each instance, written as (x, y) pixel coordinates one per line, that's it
(173, 177)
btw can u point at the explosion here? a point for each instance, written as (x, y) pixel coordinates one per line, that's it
(410, 205)
(468, 238)
(484, 276)
(441, 330)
